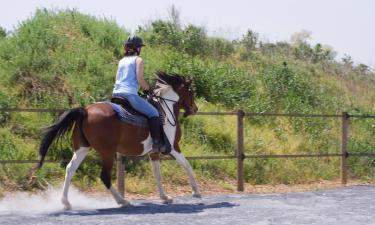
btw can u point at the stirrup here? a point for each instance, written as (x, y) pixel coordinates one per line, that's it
(160, 147)
(156, 146)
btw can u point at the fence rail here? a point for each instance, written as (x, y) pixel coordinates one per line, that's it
(211, 113)
(31, 110)
(239, 156)
(224, 157)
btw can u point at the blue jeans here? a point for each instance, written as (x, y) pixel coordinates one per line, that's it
(139, 104)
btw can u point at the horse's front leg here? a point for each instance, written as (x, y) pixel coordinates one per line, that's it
(155, 163)
(186, 165)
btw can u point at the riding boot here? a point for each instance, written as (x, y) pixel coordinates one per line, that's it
(156, 135)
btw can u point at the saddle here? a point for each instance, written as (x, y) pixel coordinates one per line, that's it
(124, 103)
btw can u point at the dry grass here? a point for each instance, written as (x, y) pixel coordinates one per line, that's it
(138, 188)
(209, 188)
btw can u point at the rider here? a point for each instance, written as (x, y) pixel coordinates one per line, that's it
(129, 77)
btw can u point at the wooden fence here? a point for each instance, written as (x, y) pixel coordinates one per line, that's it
(240, 156)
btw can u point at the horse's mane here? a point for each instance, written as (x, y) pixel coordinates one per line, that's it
(164, 81)
(173, 79)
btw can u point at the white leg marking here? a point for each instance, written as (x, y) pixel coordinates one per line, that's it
(156, 169)
(147, 145)
(170, 132)
(119, 199)
(186, 165)
(71, 168)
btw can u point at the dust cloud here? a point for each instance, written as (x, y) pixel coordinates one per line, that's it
(49, 201)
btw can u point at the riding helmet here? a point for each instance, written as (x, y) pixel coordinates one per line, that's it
(135, 41)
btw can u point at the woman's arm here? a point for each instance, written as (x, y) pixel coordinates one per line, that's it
(141, 80)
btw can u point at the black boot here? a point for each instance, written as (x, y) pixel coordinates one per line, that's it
(156, 134)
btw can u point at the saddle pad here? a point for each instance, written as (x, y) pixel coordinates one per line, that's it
(126, 117)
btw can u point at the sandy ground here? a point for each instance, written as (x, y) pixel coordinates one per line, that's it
(339, 205)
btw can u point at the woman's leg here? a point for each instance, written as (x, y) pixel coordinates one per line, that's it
(142, 106)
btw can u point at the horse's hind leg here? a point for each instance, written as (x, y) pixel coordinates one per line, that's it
(71, 168)
(186, 165)
(105, 176)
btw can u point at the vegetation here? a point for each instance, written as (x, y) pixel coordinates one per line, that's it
(63, 59)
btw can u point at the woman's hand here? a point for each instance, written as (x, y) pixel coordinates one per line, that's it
(149, 91)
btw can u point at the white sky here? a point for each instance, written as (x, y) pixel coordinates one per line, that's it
(346, 25)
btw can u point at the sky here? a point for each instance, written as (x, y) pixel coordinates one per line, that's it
(348, 26)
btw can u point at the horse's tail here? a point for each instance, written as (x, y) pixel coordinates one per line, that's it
(58, 129)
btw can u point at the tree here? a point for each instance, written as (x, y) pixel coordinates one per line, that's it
(3, 32)
(362, 69)
(165, 33)
(248, 44)
(219, 47)
(250, 40)
(195, 40)
(303, 51)
(348, 61)
(322, 53)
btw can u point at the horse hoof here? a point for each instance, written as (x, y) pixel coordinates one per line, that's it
(167, 200)
(197, 195)
(124, 204)
(66, 204)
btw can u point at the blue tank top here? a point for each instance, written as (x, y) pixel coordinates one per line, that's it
(126, 77)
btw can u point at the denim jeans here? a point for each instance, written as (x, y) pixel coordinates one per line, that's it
(139, 104)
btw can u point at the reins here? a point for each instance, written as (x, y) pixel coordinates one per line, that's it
(170, 111)
(164, 100)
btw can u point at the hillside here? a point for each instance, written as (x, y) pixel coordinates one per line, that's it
(63, 59)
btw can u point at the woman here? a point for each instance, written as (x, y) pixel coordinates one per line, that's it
(128, 79)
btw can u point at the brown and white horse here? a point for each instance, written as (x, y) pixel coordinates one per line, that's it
(97, 127)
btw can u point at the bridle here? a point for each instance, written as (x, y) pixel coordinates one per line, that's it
(164, 100)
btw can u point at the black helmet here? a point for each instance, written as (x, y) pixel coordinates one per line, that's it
(134, 40)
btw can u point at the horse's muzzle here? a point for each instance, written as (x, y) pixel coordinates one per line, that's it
(190, 111)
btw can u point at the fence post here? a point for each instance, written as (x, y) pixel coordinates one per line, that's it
(240, 150)
(344, 147)
(120, 175)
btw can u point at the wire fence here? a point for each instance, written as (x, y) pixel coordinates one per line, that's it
(240, 154)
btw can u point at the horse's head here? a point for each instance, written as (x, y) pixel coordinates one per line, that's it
(183, 92)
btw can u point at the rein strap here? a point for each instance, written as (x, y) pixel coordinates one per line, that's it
(170, 111)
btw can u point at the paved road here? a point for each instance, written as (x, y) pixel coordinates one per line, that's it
(349, 205)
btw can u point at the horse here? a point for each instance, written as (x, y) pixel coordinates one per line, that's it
(97, 127)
